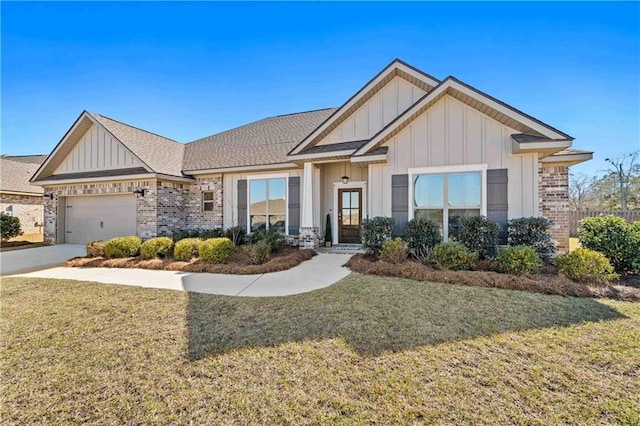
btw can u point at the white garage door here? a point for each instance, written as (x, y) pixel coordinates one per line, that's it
(99, 218)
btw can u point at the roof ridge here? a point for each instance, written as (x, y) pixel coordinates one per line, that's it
(135, 127)
(301, 112)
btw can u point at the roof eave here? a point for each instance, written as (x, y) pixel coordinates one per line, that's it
(567, 159)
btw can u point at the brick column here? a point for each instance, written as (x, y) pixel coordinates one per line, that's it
(553, 190)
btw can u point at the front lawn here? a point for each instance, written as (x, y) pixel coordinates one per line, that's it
(368, 349)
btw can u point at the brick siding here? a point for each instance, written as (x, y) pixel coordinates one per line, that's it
(28, 208)
(553, 191)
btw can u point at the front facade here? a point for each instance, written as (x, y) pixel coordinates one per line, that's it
(405, 145)
(18, 197)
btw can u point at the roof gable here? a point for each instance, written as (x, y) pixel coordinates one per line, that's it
(397, 68)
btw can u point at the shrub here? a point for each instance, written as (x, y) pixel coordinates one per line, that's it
(585, 266)
(519, 260)
(96, 248)
(122, 247)
(531, 231)
(156, 247)
(479, 234)
(616, 239)
(274, 238)
(205, 234)
(454, 256)
(394, 251)
(375, 232)
(186, 249)
(236, 234)
(258, 253)
(421, 236)
(9, 227)
(216, 250)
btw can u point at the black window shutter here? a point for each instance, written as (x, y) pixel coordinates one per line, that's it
(497, 199)
(400, 202)
(242, 203)
(294, 205)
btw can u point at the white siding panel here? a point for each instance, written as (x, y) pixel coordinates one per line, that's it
(437, 134)
(473, 137)
(405, 95)
(493, 143)
(420, 140)
(455, 133)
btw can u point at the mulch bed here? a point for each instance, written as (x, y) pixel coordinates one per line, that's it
(543, 283)
(238, 264)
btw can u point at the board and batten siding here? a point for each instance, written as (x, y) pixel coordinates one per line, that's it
(452, 133)
(393, 99)
(98, 150)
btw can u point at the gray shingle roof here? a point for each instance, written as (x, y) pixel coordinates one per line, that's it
(15, 175)
(31, 159)
(96, 173)
(345, 146)
(262, 142)
(524, 138)
(162, 155)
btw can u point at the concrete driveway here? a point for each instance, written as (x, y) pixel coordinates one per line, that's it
(35, 259)
(319, 272)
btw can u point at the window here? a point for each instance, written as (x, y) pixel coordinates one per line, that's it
(207, 201)
(446, 197)
(267, 204)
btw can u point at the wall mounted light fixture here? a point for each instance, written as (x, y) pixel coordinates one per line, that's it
(48, 196)
(345, 178)
(139, 192)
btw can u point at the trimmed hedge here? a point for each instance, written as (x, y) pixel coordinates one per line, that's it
(9, 226)
(518, 260)
(186, 249)
(479, 234)
(157, 247)
(375, 232)
(394, 251)
(616, 239)
(216, 250)
(585, 266)
(531, 231)
(453, 255)
(123, 247)
(96, 248)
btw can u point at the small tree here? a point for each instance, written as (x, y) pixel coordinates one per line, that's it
(9, 227)
(328, 235)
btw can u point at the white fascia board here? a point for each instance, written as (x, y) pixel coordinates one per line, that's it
(109, 179)
(529, 147)
(369, 158)
(28, 194)
(568, 158)
(328, 154)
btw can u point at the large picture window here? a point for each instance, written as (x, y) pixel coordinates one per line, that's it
(267, 204)
(447, 197)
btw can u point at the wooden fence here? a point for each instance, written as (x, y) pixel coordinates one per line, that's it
(576, 216)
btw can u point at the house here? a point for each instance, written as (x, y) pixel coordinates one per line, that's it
(404, 145)
(18, 197)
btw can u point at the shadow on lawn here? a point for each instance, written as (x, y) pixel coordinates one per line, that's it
(375, 314)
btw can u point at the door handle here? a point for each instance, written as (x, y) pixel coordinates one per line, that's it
(101, 224)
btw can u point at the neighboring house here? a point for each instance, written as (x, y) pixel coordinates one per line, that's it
(18, 197)
(405, 145)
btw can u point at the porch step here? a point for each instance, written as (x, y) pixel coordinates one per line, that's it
(342, 248)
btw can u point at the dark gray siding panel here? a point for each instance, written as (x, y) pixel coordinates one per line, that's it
(400, 202)
(294, 205)
(497, 199)
(242, 203)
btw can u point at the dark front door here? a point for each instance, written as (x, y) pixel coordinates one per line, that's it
(349, 215)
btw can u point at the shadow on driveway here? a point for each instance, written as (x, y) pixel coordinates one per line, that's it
(375, 314)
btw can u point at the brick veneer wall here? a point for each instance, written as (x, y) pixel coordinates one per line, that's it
(553, 191)
(197, 218)
(30, 211)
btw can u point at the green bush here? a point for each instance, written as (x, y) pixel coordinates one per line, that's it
(421, 236)
(198, 233)
(156, 247)
(9, 227)
(616, 239)
(375, 232)
(274, 238)
(394, 251)
(186, 249)
(205, 234)
(122, 247)
(531, 231)
(96, 248)
(258, 253)
(236, 234)
(480, 235)
(454, 256)
(216, 250)
(585, 266)
(518, 260)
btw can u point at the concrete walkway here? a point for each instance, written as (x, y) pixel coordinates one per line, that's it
(319, 272)
(33, 259)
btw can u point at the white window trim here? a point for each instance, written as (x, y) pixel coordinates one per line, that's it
(286, 197)
(212, 201)
(464, 168)
(339, 185)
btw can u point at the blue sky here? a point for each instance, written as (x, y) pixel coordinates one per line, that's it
(188, 70)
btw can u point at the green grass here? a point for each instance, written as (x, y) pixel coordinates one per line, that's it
(367, 349)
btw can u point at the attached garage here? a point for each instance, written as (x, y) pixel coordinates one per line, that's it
(91, 218)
